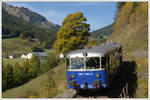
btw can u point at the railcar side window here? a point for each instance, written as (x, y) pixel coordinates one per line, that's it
(77, 63)
(92, 63)
(68, 64)
(103, 62)
(120, 50)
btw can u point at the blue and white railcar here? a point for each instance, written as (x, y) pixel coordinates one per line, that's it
(94, 67)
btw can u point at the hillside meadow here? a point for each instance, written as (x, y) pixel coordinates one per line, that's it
(12, 46)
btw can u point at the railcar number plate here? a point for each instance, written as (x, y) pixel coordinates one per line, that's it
(90, 74)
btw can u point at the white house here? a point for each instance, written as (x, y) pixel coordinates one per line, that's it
(11, 57)
(29, 55)
(23, 56)
(42, 55)
(61, 55)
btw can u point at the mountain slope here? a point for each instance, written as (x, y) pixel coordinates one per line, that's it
(131, 27)
(13, 26)
(30, 16)
(105, 31)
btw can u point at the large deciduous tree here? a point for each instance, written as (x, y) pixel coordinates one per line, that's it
(73, 33)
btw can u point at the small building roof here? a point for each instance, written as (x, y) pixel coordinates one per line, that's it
(39, 53)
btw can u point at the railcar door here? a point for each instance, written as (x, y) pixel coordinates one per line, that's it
(108, 70)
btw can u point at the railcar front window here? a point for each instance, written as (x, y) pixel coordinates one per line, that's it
(77, 63)
(103, 62)
(92, 63)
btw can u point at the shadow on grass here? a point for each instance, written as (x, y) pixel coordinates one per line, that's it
(126, 76)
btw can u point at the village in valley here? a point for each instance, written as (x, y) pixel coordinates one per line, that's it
(42, 55)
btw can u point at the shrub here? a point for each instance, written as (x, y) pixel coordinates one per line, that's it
(49, 89)
(50, 63)
(7, 76)
(34, 66)
(36, 49)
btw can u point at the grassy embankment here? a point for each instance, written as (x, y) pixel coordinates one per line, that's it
(134, 39)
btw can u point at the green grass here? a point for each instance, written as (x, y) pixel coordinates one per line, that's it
(35, 86)
(50, 51)
(12, 61)
(17, 46)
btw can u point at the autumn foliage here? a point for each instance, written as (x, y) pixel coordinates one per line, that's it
(21, 36)
(131, 12)
(73, 33)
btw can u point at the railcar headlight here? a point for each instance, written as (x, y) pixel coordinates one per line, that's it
(84, 53)
(73, 76)
(98, 75)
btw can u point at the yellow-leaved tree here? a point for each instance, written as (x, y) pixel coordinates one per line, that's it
(73, 33)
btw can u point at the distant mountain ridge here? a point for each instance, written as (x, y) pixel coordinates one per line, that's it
(105, 31)
(30, 16)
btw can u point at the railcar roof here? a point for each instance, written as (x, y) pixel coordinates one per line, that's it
(99, 50)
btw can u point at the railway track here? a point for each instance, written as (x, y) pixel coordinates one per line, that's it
(112, 92)
(70, 93)
(102, 93)
(119, 89)
(90, 94)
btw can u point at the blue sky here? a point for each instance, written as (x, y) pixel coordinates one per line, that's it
(98, 14)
